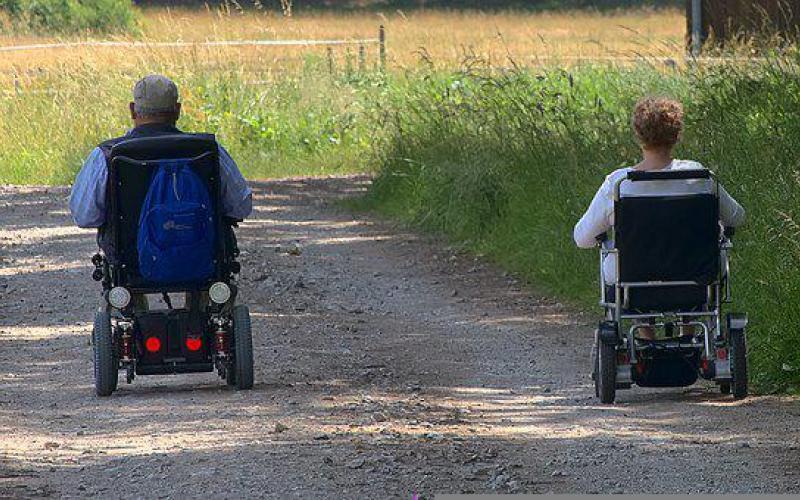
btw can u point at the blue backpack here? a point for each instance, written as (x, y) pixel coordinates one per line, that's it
(176, 227)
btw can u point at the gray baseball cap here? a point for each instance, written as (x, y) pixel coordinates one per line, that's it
(155, 94)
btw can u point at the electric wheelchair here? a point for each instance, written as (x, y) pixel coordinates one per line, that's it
(210, 331)
(672, 277)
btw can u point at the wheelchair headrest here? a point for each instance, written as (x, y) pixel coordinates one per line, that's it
(165, 147)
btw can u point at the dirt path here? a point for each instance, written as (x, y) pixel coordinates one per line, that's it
(386, 364)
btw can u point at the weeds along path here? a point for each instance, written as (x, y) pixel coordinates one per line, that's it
(386, 364)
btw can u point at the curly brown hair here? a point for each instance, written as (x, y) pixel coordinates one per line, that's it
(658, 122)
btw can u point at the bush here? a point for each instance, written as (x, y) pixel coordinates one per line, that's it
(64, 16)
(509, 162)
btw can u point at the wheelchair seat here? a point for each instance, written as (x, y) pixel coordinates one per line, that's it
(663, 299)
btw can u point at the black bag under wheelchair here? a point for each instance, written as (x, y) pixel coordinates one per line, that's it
(672, 279)
(209, 331)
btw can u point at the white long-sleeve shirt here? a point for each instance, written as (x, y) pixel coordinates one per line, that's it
(599, 218)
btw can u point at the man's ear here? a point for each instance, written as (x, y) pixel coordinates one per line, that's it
(132, 107)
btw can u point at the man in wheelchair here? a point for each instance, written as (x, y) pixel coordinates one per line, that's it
(165, 203)
(664, 227)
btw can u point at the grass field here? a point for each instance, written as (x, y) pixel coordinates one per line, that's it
(445, 38)
(279, 109)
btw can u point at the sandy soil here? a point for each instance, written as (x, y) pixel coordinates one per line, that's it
(387, 363)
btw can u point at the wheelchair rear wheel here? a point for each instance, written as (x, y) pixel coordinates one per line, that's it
(605, 380)
(738, 354)
(243, 349)
(106, 365)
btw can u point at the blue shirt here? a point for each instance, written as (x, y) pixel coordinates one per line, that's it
(87, 202)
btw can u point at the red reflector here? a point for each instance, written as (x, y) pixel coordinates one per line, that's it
(152, 344)
(722, 354)
(194, 344)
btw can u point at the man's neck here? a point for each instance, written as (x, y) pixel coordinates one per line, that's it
(152, 123)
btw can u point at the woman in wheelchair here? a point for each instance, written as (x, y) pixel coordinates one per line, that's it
(663, 225)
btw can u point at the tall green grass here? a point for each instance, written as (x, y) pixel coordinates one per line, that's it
(508, 162)
(302, 122)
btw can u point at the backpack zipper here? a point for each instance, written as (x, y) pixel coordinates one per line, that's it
(175, 185)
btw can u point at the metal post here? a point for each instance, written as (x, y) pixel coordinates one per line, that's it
(382, 41)
(697, 27)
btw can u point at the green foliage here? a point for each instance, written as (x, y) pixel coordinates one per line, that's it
(307, 123)
(66, 16)
(508, 162)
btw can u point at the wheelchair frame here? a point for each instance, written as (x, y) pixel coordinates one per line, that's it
(716, 361)
(225, 339)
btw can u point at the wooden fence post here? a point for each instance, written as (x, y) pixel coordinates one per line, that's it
(331, 67)
(382, 42)
(362, 57)
(696, 35)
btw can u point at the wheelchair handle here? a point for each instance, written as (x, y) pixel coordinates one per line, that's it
(669, 175)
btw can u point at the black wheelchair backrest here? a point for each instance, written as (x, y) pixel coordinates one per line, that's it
(132, 164)
(671, 237)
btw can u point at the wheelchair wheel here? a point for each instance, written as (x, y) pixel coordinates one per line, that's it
(106, 366)
(605, 381)
(243, 349)
(738, 354)
(596, 365)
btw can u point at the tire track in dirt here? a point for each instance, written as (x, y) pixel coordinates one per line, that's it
(386, 363)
